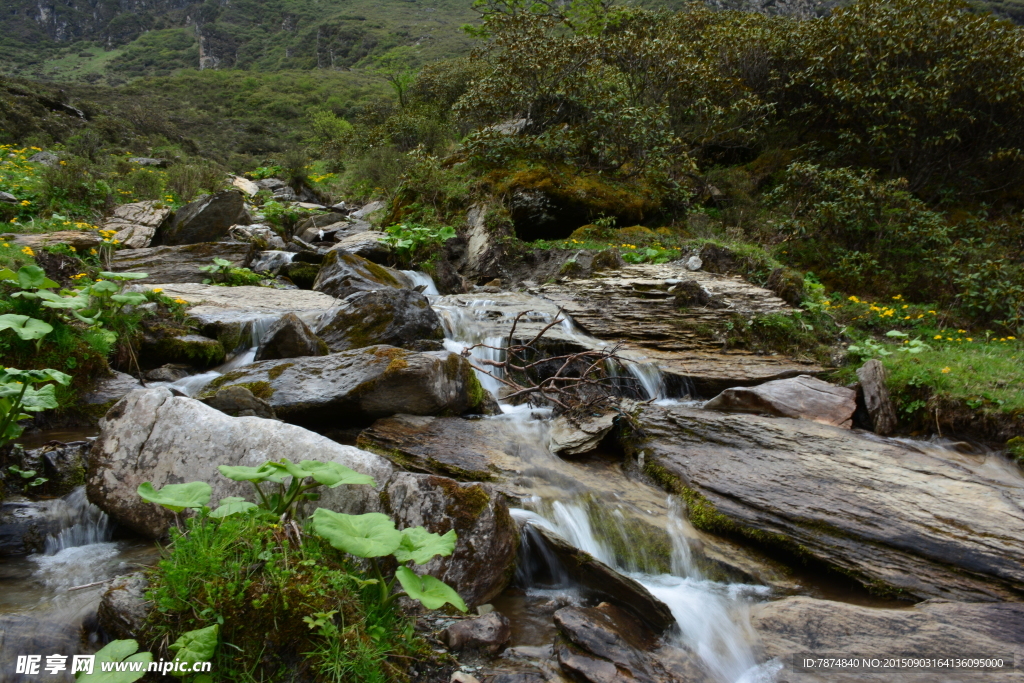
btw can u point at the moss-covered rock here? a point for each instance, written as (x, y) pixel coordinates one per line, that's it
(396, 317)
(343, 273)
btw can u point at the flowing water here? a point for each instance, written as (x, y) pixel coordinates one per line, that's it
(44, 608)
(711, 615)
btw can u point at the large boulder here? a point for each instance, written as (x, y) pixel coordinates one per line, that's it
(484, 559)
(80, 240)
(356, 387)
(24, 525)
(918, 521)
(290, 337)
(155, 436)
(109, 390)
(385, 316)
(181, 263)
(606, 644)
(366, 244)
(343, 273)
(796, 628)
(798, 397)
(207, 219)
(123, 608)
(137, 223)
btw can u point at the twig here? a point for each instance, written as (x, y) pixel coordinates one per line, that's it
(94, 583)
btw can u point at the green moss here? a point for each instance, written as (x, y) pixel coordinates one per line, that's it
(478, 396)
(276, 371)
(204, 353)
(259, 389)
(465, 503)
(226, 378)
(1015, 449)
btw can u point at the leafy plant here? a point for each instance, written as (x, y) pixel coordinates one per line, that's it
(224, 272)
(18, 397)
(28, 474)
(117, 651)
(286, 482)
(412, 243)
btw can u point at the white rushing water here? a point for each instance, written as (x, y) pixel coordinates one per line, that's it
(712, 617)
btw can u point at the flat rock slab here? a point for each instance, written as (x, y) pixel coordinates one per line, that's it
(801, 626)
(923, 522)
(214, 304)
(801, 397)
(81, 240)
(180, 263)
(639, 304)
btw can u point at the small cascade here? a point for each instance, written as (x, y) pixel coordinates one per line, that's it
(253, 334)
(79, 521)
(422, 280)
(711, 617)
(650, 379)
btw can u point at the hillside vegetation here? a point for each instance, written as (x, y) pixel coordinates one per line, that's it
(867, 166)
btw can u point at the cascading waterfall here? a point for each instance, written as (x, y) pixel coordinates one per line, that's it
(253, 334)
(422, 280)
(80, 523)
(711, 616)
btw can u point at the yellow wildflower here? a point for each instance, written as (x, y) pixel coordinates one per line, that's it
(938, 336)
(27, 251)
(1011, 338)
(969, 339)
(93, 251)
(157, 290)
(25, 202)
(945, 370)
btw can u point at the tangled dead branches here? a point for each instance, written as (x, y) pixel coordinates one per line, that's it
(571, 382)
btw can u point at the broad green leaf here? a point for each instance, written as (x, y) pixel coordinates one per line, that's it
(177, 497)
(231, 506)
(117, 651)
(43, 398)
(8, 274)
(123, 276)
(265, 472)
(292, 468)
(370, 535)
(332, 474)
(223, 263)
(25, 327)
(34, 277)
(431, 592)
(102, 287)
(196, 646)
(421, 546)
(895, 333)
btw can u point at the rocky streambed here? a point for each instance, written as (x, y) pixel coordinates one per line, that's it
(656, 540)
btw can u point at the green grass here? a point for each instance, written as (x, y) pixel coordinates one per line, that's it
(260, 585)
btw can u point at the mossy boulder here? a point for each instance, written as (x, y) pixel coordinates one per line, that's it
(343, 274)
(353, 388)
(164, 347)
(396, 317)
(290, 337)
(302, 275)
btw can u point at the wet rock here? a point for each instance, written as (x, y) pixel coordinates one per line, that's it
(8, 198)
(488, 633)
(271, 184)
(179, 263)
(260, 236)
(602, 581)
(137, 223)
(920, 521)
(290, 337)
(239, 401)
(484, 559)
(109, 389)
(573, 436)
(81, 241)
(801, 397)
(356, 387)
(811, 627)
(160, 348)
(468, 450)
(605, 644)
(24, 525)
(366, 210)
(207, 219)
(63, 464)
(168, 373)
(155, 436)
(342, 274)
(639, 305)
(463, 677)
(271, 261)
(516, 678)
(788, 285)
(873, 395)
(386, 316)
(123, 608)
(222, 310)
(302, 274)
(328, 222)
(366, 244)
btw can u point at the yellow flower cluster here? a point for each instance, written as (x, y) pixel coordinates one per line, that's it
(27, 251)
(629, 246)
(180, 301)
(79, 276)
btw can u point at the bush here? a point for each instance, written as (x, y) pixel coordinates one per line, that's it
(188, 180)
